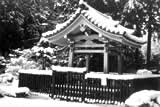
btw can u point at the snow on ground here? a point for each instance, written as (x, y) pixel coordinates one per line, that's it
(43, 101)
(39, 100)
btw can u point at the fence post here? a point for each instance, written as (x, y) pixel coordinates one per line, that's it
(83, 87)
(53, 84)
(20, 80)
(68, 86)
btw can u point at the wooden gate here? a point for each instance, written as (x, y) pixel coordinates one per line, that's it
(70, 85)
(114, 92)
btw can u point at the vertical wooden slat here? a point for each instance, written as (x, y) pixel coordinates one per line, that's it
(120, 62)
(71, 55)
(105, 60)
(87, 62)
(68, 86)
(53, 84)
(83, 87)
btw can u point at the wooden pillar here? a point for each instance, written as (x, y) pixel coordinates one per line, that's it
(71, 54)
(120, 64)
(105, 60)
(87, 61)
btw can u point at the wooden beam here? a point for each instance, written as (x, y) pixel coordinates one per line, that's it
(87, 62)
(84, 37)
(89, 46)
(88, 51)
(71, 54)
(105, 60)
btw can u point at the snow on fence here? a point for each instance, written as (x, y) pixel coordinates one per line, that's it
(106, 91)
(75, 84)
(36, 80)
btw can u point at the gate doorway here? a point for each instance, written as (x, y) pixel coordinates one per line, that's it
(95, 62)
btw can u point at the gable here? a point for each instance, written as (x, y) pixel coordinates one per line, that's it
(102, 24)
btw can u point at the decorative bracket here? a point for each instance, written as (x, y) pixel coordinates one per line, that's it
(82, 27)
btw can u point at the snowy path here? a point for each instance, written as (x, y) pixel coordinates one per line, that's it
(43, 101)
(40, 100)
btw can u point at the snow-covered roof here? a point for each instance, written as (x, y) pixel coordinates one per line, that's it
(97, 21)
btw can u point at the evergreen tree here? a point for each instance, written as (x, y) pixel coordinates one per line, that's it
(145, 15)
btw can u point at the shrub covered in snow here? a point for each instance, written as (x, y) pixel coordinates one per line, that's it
(41, 56)
(3, 62)
(144, 98)
(15, 91)
(6, 78)
(38, 57)
(143, 71)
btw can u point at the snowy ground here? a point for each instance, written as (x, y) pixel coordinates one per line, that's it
(40, 100)
(43, 101)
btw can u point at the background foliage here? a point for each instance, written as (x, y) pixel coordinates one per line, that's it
(23, 21)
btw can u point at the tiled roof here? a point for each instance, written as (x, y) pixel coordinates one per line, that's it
(110, 28)
(60, 27)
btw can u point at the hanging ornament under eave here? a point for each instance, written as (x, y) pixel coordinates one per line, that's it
(71, 42)
(117, 0)
(100, 35)
(86, 33)
(82, 28)
(65, 36)
(106, 41)
(68, 40)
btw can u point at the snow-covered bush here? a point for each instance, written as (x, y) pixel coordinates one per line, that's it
(38, 57)
(3, 62)
(6, 78)
(143, 71)
(144, 98)
(41, 56)
(23, 62)
(15, 91)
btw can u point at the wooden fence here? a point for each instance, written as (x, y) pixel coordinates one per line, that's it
(115, 92)
(68, 86)
(73, 86)
(36, 80)
(76, 85)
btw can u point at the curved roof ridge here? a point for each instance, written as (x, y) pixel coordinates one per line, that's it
(101, 21)
(89, 7)
(62, 25)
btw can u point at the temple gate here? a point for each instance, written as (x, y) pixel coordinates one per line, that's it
(92, 33)
(99, 46)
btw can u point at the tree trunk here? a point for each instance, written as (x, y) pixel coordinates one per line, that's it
(149, 46)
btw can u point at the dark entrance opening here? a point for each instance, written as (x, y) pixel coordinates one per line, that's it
(79, 60)
(96, 62)
(113, 63)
